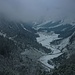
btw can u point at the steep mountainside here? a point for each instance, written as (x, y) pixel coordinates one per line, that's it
(19, 50)
(20, 32)
(67, 66)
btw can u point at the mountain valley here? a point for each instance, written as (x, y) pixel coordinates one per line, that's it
(29, 50)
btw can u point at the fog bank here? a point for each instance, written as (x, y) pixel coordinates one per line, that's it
(35, 10)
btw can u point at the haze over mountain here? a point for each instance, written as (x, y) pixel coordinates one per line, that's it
(36, 10)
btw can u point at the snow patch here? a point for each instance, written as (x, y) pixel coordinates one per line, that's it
(44, 59)
(3, 34)
(45, 39)
(25, 28)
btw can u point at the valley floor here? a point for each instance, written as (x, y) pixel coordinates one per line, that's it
(45, 40)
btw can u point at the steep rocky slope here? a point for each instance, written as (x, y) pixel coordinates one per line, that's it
(15, 39)
(67, 66)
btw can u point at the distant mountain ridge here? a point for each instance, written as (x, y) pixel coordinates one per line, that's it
(59, 27)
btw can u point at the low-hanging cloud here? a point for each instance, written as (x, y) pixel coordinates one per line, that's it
(35, 10)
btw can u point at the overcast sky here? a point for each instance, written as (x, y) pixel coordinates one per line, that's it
(32, 10)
